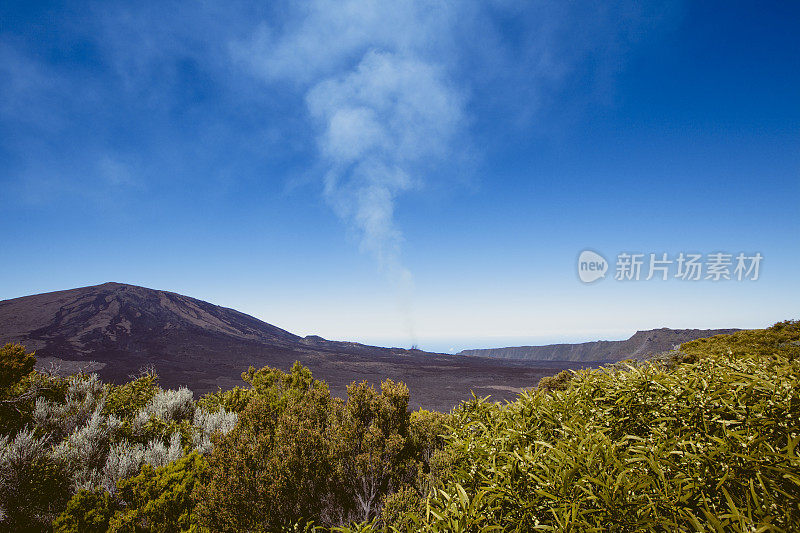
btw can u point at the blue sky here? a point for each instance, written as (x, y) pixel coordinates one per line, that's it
(405, 172)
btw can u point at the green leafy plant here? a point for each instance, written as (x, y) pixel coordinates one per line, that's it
(160, 499)
(15, 363)
(124, 401)
(273, 470)
(87, 512)
(705, 444)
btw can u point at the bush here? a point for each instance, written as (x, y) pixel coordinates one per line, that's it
(638, 448)
(403, 509)
(558, 382)
(33, 486)
(85, 450)
(169, 406)
(83, 435)
(15, 363)
(160, 499)
(157, 500)
(298, 456)
(86, 512)
(207, 425)
(373, 451)
(63, 415)
(780, 340)
(125, 458)
(20, 385)
(234, 400)
(273, 470)
(429, 429)
(124, 401)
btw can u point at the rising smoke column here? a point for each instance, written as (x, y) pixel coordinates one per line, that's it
(381, 102)
(379, 126)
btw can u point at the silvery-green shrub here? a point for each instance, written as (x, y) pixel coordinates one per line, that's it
(207, 424)
(85, 450)
(171, 405)
(33, 486)
(84, 396)
(125, 459)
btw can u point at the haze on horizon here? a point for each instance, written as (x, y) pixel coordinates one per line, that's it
(408, 172)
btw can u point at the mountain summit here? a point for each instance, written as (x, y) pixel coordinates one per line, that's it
(89, 320)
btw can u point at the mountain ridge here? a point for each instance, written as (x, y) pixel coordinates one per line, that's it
(640, 345)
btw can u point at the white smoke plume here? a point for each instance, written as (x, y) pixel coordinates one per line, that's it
(385, 111)
(379, 124)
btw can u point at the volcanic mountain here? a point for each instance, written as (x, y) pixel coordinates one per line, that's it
(116, 329)
(640, 346)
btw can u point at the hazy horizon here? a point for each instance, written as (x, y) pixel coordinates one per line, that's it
(455, 345)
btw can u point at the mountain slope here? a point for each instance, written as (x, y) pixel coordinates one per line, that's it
(640, 345)
(204, 346)
(84, 320)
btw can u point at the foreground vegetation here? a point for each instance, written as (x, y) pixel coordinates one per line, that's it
(703, 439)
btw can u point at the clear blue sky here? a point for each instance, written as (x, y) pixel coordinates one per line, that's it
(405, 171)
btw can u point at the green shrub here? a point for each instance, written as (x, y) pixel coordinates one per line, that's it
(156, 500)
(710, 444)
(298, 456)
(273, 469)
(782, 340)
(372, 448)
(17, 396)
(402, 509)
(428, 431)
(86, 512)
(124, 401)
(558, 382)
(234, 400)
(160, 499)
(15, 363)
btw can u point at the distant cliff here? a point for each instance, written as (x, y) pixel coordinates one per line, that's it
(641, 344)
